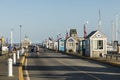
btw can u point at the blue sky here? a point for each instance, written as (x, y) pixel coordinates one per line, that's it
(43, 18)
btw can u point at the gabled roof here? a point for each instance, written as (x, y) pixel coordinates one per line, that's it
(70, 38)
(61, 39)
(74, 39)
(93, 32)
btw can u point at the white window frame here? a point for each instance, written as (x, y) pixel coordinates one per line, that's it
(95, 45)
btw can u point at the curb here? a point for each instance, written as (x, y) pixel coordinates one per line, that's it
(20, 67)
(20, 73)
(22, 60)
(94, 59)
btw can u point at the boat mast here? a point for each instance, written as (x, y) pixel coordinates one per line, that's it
(99, 21)
(113, 32)
(116, 35)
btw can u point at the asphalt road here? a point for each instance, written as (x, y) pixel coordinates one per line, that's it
(56, 66)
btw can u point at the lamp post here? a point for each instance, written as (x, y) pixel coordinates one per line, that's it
(20, 35)
(11, 40)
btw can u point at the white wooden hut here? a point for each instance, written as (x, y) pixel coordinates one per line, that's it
(71, 45)
(56, 45)
(50, 44)
(96, 44)
(72, 42)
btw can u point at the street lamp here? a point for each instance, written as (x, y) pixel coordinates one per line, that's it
(20, 35)
(11, 38)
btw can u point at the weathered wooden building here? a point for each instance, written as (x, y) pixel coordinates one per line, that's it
(50, 44)
(55, 45)
(71, 45)
(95, 44)
(72, 42)
(61, 44)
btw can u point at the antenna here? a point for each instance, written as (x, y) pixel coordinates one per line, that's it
(99, 21)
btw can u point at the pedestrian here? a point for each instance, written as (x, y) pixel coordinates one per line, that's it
(32, 51)
(14, 48)
(37, 50)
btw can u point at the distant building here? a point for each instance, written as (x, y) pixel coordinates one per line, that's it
(95, 44)
(2, 40)
(71, 45)
(3, 47)
(72, 42)
(26, 42)
(44, 44)
(61, 44)
(55, 45)
(50, 44)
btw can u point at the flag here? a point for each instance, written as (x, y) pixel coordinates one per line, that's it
(85, 33)
(58, 36)
(66, 35)
(50, 38)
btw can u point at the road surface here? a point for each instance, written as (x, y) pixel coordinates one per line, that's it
(57, 66)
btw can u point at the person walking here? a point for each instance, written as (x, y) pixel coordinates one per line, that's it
(37, 50)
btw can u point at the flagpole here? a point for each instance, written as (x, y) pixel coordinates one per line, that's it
(85, 33)
(66, 35)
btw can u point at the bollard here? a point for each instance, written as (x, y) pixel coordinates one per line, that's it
(22, 50)
(18, 54)
(14, 58)
(10, 68)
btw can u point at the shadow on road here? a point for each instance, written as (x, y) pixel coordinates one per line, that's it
(79, 73)
(71, 68)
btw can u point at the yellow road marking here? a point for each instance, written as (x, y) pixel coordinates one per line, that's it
(20, 73)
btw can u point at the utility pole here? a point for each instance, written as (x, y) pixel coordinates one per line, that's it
(11, 37)
(20, 36)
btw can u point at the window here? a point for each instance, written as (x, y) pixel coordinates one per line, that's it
(70, 40)
(62, 44)
(98, 44)
(71, 44)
